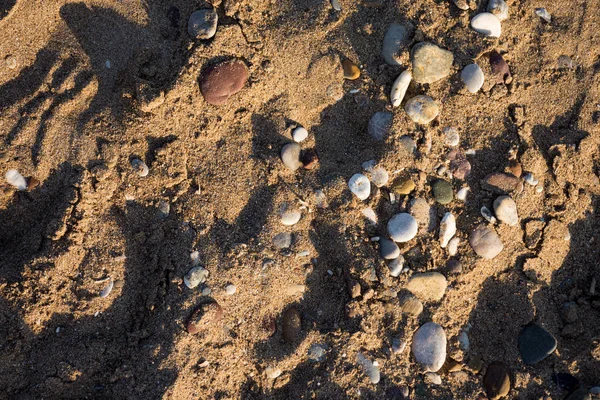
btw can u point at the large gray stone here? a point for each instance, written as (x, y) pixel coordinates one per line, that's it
(396, 38)
(429, 346)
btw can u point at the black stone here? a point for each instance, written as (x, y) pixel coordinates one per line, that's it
(535, 344)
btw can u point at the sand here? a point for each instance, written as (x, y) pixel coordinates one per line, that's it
(99, 83)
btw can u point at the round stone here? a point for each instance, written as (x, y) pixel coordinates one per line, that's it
(407, 144)
(290, 155)
(379, 176)
(411, 305)
(497, 380)
(403, 185)
(429, 346)
(290, 217)
(472, 77)
(380, 125)
(195, 276)
(351, 70)
(505, 209)
(221, 81)
(203, 24)
(402, 227)
(14, 178)
(282, 240)
(299, 134)
(485, 242)
(360, 186)
(535, 344)
(487, 24)
(292, 325)
(396, 38)
(422, 109)
(430, 63)
(442, 192)
(428, 286)
(388, 249)
(230, 289)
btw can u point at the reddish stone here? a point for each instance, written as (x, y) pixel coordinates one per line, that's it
(219, 82)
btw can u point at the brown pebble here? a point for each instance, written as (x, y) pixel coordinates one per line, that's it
(411, 305)
(292, 325)
(499, 67)
(475, 364)
(403, 185)
(454, 266)
(514, 167)
(499, 182)
(309, 158)
(203, 316)
(351, 70)
(219, 82)
(452, 365)
(460, 167)
(32, 183)
(497, 380)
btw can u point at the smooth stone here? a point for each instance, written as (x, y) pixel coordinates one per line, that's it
(429, 346)
(292, 325)
(403, 185)
(463, 341)
(360, 186)
(107, 289)
(402, 227)
(14, 178)
(370, 215)
(472, 76)
(430, 63)
(140, 167)
(433, 378)
(396, 266)
(388, 249)
(499, 8)
(411, 305)
(462, 193)
(379, 176)
(282, 240)
(336, 5)
(428, 286)
(485, 242)
(422, 109)
(453, 246)
(535, 344)
(447, 229)
(451, 136)
(487, 24)
(203, 24)
(398, 345)
(380, 125)
(543, 14)
(290, 155)
(442, 191)
(459, 166)
(230, 289)
(351, 70)
(500, 68)
(499, 182)
(461, 4)
(203, 317)
(273, 373)
(399, 88)
(396, 38)
(497, 380)
(290, 217)
(407, 144)
(505, 209)
(299, 134)
(195, 276)
(221, 81)
(454, 266)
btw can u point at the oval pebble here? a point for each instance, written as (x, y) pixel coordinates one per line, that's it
(379, 176)
(351, 70)
(485, 242)
(451, 136)
(272, 372)
(282, 240)
(396, 38)
(472, 76)
(396, 266)
(499, 8)
(487, 24)
(453, 246)
(299, 134)
(203, 24)
(447, 229)
(505, 209)
(442, 191)
(402, 227)
(462, 193)
(290, 155)
(428, 286)
(371, 369)
(433, 378)
(429, 346)
(221, 81)
(411, 305)
(360, 186)
(380, 125)
(290, 216)
(496, 380)
(388, 249)
(230, 289)
(403, 185)
(336, 5)
(422, 109)
(399, 88)
(195, 276)
(292, 325)
(14, 178)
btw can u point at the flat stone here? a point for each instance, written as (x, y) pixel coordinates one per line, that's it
(422, 109)
(497, 380)
(221, 81)
(388, 249)
(487, 24)
(499, 182)
(203, 24)
(396, 38)
(485, 242)
(429, 346)
(442, 191)
(290, 216)
(403, 185)
(459, 166)
(402, 227)
(380, 125)
(282, 240)
(535, 344)
(505, 209)
(472, 77)
(428, 286)
(290, 156)
(411, 305)
(430, 63)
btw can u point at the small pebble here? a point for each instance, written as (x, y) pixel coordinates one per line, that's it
(351, 70)
(462, 193)
(515, 168)
(396, 266)
(336, 5)
(320, 199)
(164, 208)
(11, 62)
(399, 88)
(403, 185)
(460, 167)
(565, 62)
(433, 378)
(379, 176)
(14, 178)
(388, 249)
(429, 346)
(463, 341)
(447, 229)
(500, 182)
(485, 242)
(195, 276)
(430, 63)
(398, 345)
(454, 266)
(272, 372)
(442, 191)
(203, 24)
(290, 216)
(505, 209)
(360, 186)
(453, 246)
(451, 136)
(539, 189)
(422, 109)
(309, 158)
(472, 77)
(219, 82)
(497, 380)
(380, 125)
(317, 352)
(543, 14)
(487, 24)
(282, 240)
(402, 227)
(461, 4)
(230, 289)
(397, 37)
(529, 179)
(499, 8)
(292, 325)
(411, 305)
(500, 68)
(370, 215)
(290, 155)
(535, 344)
(428, 286)
(487, 214)
(371, 369)
(299, 134)
(293, 290)
(140, 167)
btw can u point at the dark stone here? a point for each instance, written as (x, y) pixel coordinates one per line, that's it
(219, 82)
(497, 380)
(292, 325)
(309, 158)
(565, 381)
(442, 191)
(535, 344)
(500, 68)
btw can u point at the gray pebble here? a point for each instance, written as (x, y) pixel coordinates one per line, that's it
(336, 5)
(398, 345)
(429, 346)
(505, 209)
(472, 76)
(407, 144)
(396, 38)
(396, 266)
(290, 155)
(388, 249)
(486, 242)
(430, 63)
(282, 240)
(203, 24)
(411, 305)
(422, 109)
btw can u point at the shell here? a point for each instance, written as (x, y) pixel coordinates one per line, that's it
(106, 291)
(399, 88)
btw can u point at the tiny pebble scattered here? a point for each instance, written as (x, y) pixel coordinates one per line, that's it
(195, 276)
(451, 136)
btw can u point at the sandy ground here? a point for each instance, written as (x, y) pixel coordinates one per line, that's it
(98, 83)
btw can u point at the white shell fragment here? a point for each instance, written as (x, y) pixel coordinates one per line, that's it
(399, 88)
(472, 76)
(195, 276)
(139, 167)
(447, 229)
(14, 178)
(543, 14)
(360, 186)
(487, 24)
(299, 134)
(499, 8)
(109, 287)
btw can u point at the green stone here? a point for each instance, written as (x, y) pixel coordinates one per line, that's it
(403, 185)
(442, 191)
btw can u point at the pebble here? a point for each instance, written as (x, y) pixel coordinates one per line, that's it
(463, 341)
(351, 70)
(290, 216)
(429, 346)
(487, 214)
(317, 352)
(565, 381)
(505, 209)
(543, 14)
(451, 136)
(195, 276)
(499, 8)
(360, 186)
(380, 125)
(454, 266)
(500, 68)
(472, 77)
(396, 38)
(460, 167)
(290, 155)
(595, 390)
(321, 199)
(203, 24)
(422, 109)
(299, 134)
(407, 144)
(11, 62)
(500, 182)
(396, 266)
(399, 88)
(402, 227)
(453, 246)
(535, 344)
(292, 325)
(336, 5)
(371, 368)
(485, 242)
(109, 287)
(272, 372)
(294, 289)
(14, 178)
(442, 191)
(370, 215)
(462, 193)
(497, 380)
(379, 176)
(140, 167)
(515, 168)
(428, 286)
(447, 229)
(487, 24)
(221, 81)
(433, 378)
(529, 179)
(335, 91)
(565, 61)
(282, 240)
(388, 249)
(579, 394)
(203, 316)
(411, 305)
(462, 4)
(430, 63)
(230, 289)
(403, 185)
(398, 345)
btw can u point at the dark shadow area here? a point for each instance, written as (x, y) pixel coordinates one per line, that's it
(5, 7)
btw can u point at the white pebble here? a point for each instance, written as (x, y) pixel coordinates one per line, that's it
(452, 138)
(336, 5)
(396, 266)
(462, 193)
(402, 227)
(273, 373)
(433, 378)
(370, 215)
(472, 76)
(195, 257)
(544, 14)
(539, 189)
(447, 229)
(14, 178)
(230, 289)
(453, 246)
(499, 8)
(379, 176)
(299, 134)
(290, 216)
(463, 341)
(399, 88)
(290, 156)
(370, 368)
(506, 210)
(360, 186)
(487, 24)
